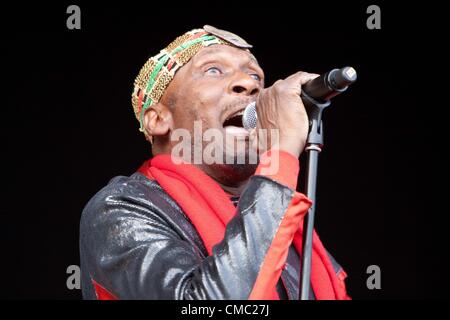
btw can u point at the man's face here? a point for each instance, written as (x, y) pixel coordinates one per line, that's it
(216, 84)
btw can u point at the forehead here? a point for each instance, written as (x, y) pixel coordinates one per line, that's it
(224, 51)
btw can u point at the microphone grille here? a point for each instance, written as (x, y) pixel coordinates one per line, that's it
(250, 116)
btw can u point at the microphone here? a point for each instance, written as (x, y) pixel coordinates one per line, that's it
(320, 89)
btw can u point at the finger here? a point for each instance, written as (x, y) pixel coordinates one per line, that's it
(308, 77)
(302, 77)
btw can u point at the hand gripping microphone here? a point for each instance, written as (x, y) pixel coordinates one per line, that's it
(320, 89)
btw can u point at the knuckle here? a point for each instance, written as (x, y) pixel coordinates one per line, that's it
(300, 75)
(278, 84)
(281, 86)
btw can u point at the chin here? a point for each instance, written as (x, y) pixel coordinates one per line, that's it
(231, 174)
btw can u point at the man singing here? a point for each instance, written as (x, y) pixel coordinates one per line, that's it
(195, 221)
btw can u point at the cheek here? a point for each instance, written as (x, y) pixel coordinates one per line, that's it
(206, 100)
(208, 92)
(185, 117)
(203, 99)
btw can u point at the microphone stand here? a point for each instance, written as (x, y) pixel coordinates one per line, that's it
(313, 147)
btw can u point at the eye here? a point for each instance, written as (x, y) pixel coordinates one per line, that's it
(255, 76)
(213, 71)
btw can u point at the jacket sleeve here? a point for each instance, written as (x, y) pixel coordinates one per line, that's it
(130, 251)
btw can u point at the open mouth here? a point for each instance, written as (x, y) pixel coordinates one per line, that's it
(234, 120)
(233, 125)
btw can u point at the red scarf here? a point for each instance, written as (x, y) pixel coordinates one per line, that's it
(210, 209)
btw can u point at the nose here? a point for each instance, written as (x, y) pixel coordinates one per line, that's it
(243, 84)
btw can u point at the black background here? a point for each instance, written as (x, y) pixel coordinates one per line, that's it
(68, 127)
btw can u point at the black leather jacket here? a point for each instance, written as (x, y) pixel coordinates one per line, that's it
(137, 243)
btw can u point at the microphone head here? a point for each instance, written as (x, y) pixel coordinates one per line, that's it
(341, 78)
(250, 117)
(349, 74)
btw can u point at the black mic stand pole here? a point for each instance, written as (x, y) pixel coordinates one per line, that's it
(326, 86)
(313, 147)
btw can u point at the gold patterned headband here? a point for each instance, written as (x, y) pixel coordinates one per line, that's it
(158, 71)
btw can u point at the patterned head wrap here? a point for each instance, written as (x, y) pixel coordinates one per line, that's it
(159, 70)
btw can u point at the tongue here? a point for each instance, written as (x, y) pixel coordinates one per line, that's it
(238, 131)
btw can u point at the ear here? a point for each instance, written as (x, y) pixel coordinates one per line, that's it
(158, 120)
